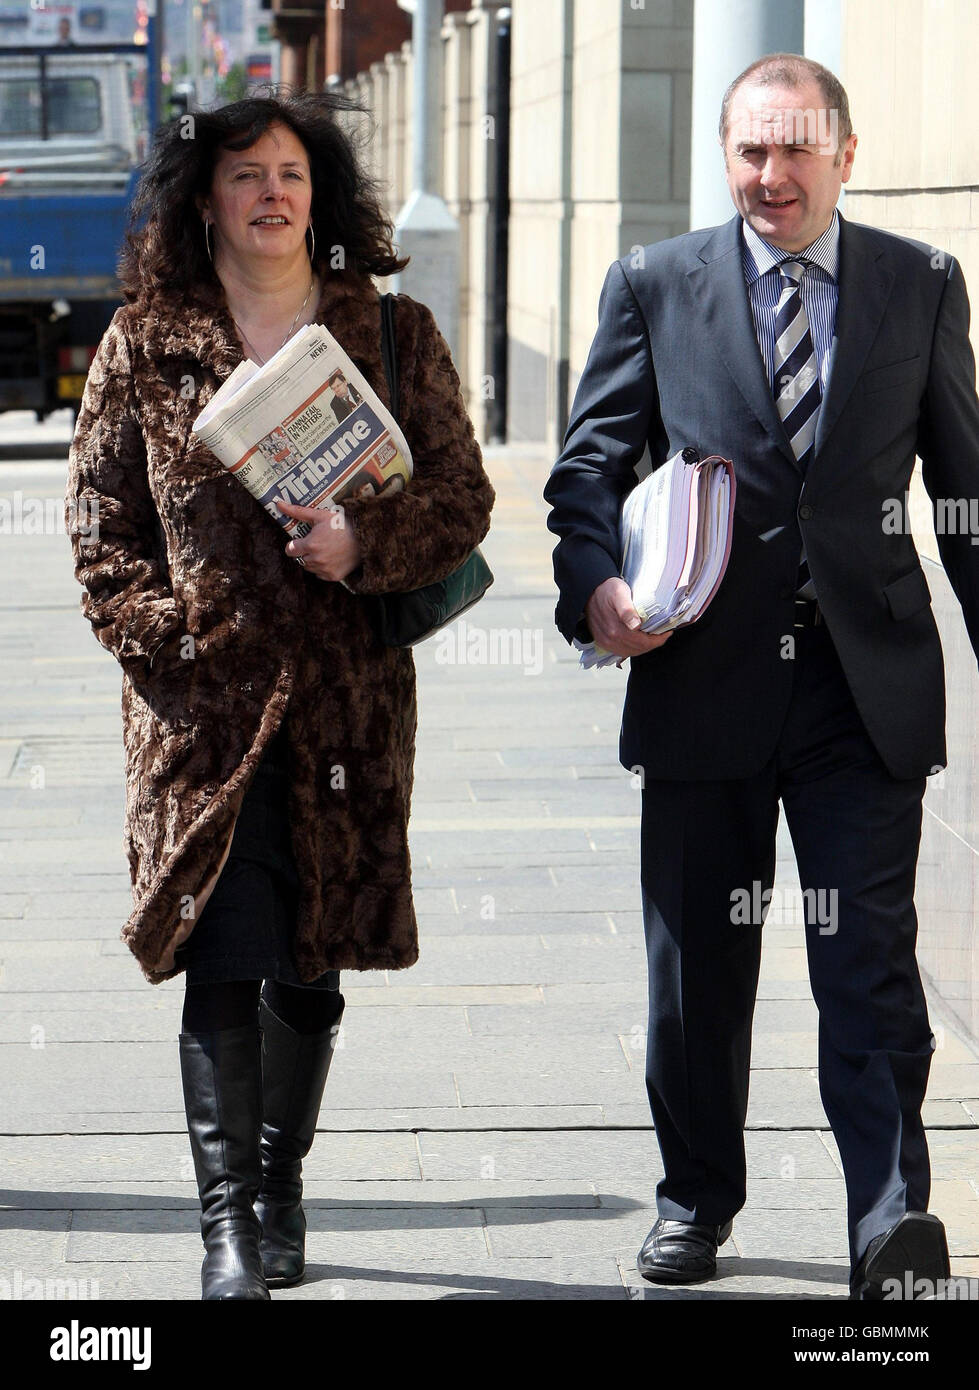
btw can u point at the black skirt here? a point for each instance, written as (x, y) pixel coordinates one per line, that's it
(246, 929)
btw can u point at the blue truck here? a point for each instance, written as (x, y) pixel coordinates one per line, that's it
(74, 129)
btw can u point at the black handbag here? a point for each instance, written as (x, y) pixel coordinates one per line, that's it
(403, 619)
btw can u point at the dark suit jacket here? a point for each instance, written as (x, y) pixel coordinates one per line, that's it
(342, 408)
(675, 362)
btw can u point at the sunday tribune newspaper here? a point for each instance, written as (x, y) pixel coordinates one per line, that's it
(305, 427)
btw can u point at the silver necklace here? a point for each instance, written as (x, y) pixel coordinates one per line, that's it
(254, 349)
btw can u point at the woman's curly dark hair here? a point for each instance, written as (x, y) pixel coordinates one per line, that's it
(164, 245)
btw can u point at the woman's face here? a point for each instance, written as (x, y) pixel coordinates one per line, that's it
(270, 180)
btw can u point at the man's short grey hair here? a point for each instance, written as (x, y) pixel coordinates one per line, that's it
(792, 70)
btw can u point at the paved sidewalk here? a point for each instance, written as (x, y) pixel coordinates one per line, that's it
(485, 1131)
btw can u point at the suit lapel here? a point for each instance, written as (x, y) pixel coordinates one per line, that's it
(865, 287)
(717, 284)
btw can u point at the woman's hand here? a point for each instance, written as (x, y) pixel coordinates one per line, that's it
(330, 550)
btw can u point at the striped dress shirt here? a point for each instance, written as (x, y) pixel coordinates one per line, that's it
(820, 296)
(820, 292)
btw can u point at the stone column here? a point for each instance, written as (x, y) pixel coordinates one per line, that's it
(727, 36)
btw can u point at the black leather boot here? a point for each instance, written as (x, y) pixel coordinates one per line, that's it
(294, 1071)
(222, 1080)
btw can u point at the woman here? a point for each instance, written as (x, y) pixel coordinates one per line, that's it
(269, 735)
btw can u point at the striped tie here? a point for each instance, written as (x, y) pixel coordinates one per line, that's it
(796, 385)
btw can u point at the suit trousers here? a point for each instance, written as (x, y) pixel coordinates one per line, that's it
(708, 862)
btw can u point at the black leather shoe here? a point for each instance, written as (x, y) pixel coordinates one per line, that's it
(681, 1252)
(915, 1248)
(222, 1082)
(294, 1072)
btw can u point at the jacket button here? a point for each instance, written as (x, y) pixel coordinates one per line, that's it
(805, 511)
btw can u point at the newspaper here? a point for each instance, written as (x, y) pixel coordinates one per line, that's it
(675, 533)
(305, 427)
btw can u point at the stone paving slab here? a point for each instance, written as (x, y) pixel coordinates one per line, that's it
(380, 1030)
(125, 1004)
(761, 1234)
(383, 1090)
(334, 1235)
(737, 1278)
(506, 1086)
(519, 850)
(323, 1192)
(22, 933)
(605, 961)
(590, 1232)
(28, 948)
(603, 1156)
(361, 1049)
(952, 1080)
(784, 989)
(527, 877)
(777, 1278)
(630, 991)
(473, 907)
(560, 1020)
(70, 1158)
(136, 1282)
(509, 921)
(636, 1190)
(781, 1015)
(29, 1117)
(338, 1119)
(436, 855)
(516, 1280)
(403, 992)
(70, 852)
(124, 1107)
(954, 1154)
(399, 1278)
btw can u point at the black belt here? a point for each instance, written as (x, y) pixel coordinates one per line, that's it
(808, 613)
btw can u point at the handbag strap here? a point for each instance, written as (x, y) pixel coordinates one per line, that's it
(389, 352)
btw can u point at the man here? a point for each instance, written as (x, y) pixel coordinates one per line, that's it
(346, 397)
(820, 356)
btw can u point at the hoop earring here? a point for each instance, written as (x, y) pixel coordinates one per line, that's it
(207, 240)
(312, 249)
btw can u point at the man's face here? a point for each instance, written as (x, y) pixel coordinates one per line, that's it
(784, 167)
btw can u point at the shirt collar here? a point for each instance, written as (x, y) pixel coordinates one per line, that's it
(760, 256)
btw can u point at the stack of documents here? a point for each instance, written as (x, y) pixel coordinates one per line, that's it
(675, 534)
(306, 427)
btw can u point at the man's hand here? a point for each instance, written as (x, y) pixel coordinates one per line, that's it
(330, 549)
(615, 624)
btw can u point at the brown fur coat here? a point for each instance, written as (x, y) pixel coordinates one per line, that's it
(219, 632)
